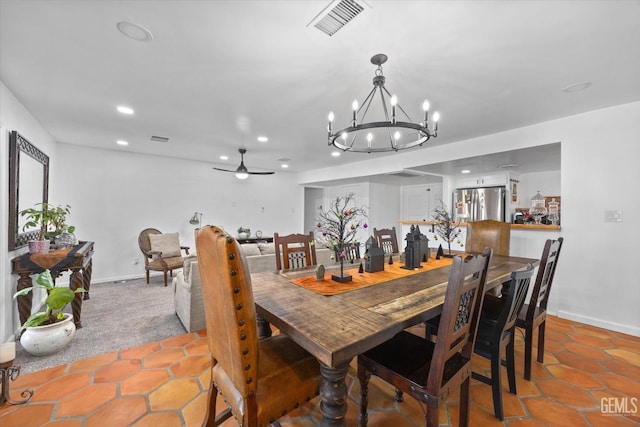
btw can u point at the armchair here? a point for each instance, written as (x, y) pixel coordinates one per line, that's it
(162, 252)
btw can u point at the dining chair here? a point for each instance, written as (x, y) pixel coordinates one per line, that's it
(387, 240)
(162, 252)
(496, 335)
(534, 313)
(294, 251)
(260, 380)
(429, 371)
(488, 233)
(352, 253)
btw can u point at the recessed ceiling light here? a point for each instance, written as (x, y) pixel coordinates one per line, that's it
(223, 157)
(284, 165)
(124, 109)
(577, 87)
(509, 166)
(335, 153)
(122, 142)
(465, 171)
(263, 139)
(135, 31)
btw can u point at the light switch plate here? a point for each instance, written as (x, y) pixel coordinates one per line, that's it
(613, 216)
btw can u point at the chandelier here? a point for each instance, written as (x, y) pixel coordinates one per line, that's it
(390, 134)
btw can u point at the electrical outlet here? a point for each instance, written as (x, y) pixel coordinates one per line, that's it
(613, 216)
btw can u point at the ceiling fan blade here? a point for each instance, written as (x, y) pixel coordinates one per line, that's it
(260, 173)
(224, 170)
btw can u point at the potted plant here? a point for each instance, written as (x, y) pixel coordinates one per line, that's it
(49, 331)
(51, 220)
(446, 228)
(244, 233)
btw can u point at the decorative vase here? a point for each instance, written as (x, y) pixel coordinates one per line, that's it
(39, 246)
(243, 235)
(48, 339)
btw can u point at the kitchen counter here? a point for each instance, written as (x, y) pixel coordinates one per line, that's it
(531, 227)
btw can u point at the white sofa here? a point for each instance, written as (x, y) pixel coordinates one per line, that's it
(188, 292)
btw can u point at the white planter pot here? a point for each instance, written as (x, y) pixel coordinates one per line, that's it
(48, 339)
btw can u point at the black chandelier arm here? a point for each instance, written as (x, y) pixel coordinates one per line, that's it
(397, 105)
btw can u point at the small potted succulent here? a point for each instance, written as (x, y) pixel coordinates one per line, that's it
(51, 330)
(244, 233)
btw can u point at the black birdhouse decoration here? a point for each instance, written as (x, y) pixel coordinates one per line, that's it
(412, 250)
(423, 244)
(374, 257)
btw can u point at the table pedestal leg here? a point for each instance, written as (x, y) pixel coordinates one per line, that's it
(75, 282)
(24, 302)
(333, 392)
(86, 278)
(264, 328)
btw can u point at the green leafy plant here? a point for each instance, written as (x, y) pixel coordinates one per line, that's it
(244, 230)
(50, 219)
(57, 300)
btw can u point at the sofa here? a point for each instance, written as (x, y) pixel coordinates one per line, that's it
(188, 302)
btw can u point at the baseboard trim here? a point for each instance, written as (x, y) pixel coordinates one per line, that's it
(606, 324)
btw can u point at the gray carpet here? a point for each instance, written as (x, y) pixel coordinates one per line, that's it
(118, 315)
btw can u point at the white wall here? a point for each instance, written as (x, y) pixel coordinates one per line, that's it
(13, 116)
(115, 194)
(596, 282)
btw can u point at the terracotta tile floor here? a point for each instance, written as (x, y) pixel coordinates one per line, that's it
(165, 384)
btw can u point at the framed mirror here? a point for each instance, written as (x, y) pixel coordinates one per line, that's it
(28, 185)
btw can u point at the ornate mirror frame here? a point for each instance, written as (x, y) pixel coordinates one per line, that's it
(24, 159)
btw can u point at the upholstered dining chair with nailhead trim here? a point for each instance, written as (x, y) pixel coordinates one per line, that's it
(259, 379)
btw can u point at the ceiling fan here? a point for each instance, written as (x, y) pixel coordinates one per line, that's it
(242, 172)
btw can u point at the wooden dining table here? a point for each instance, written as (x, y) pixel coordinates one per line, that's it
(337, 328)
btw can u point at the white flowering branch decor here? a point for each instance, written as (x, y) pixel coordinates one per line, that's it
(338, 227)
(446, 228)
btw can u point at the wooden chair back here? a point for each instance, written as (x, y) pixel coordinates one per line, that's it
(387, 240)
(229, 309)
(488, 233)
(259, 379)
(145, 244)
(514, 300)
(459, 319)
(544, 279)
(294, 251)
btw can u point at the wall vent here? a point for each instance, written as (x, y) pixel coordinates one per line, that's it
(155, 138)
(336, 15)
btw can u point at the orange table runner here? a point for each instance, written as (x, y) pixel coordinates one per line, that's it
(362, 280)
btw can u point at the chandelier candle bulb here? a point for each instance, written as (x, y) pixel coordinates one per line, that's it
(425, 107)
(394, 102)
(436, 118)
(369, 139)
(354, 105)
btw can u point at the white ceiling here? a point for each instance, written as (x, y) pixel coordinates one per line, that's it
(219, 73)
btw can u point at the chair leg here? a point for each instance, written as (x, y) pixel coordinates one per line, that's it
(147, 276)
(511, 366)
(541, 329)
(465, 402)
(496, 382)
(210, 419)
(363, 377)
(528, 349)
(165, 278)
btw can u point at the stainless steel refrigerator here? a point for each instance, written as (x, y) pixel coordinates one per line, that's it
(475, 204)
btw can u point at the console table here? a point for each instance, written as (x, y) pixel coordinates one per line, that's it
(255, 240)
(77, 259)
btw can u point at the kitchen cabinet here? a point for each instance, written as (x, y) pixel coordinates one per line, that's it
(481, 181)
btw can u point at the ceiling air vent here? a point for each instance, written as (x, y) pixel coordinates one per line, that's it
(336, 15)
(155, 138)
